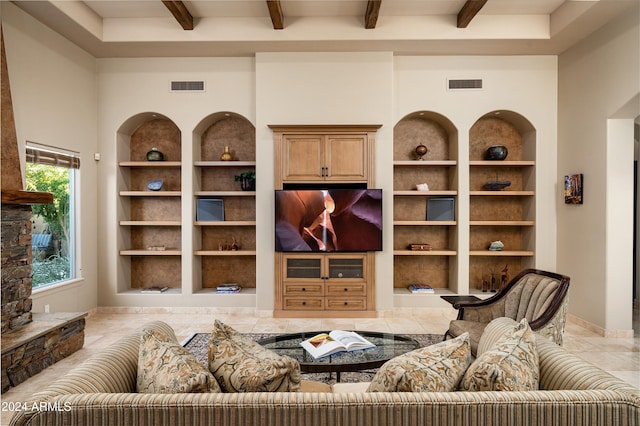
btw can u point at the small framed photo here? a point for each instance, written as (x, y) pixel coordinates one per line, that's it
(573, 189)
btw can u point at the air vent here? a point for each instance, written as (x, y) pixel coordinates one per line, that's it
(469, 84)
(187, 86)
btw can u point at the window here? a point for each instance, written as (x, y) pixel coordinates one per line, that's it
(53, 236)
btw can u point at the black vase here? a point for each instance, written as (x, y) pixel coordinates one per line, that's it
(496, 152)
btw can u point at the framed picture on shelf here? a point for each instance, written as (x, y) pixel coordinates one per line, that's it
(573, 189)
(210, 210)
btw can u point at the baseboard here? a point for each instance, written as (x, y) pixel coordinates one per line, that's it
(624, 334)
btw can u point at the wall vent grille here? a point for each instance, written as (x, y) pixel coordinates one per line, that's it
(467, 84)
(187, 86)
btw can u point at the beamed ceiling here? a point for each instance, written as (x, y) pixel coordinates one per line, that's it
(152, 28)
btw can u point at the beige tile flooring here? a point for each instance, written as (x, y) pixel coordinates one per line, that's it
(619, 356)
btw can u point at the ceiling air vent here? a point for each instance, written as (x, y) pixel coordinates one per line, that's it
(187, 86)
(473, 84)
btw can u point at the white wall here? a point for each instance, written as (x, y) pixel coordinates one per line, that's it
(323, 88)
(598, 82)
(53, 86)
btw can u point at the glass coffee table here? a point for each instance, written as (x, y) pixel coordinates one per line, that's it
(388, 345)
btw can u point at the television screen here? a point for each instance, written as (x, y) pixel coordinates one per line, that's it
(328, 220)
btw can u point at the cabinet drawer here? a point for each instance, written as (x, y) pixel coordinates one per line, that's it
(346, 304)
(303, 290)
(306, 303)
(346, 290)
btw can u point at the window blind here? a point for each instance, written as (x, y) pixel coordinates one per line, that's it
(51, 158)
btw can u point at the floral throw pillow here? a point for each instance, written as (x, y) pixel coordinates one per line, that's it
(435, 368)
(512, 364)
(242, 365)
(166, 367)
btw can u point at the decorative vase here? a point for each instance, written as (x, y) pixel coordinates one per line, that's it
(496, 153)
(421, 151)
(226, 155)
(155, 155)
(248, 184)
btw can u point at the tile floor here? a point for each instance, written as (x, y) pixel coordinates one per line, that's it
(619, 356)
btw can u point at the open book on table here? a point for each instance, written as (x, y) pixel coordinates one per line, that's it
(325, 344)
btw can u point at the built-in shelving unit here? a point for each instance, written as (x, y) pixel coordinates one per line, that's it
(150, 221)
(506, 215)
(437, 169)
(215, 261)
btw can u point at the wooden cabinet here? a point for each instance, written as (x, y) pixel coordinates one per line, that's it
(438, 170)
(225, 249)
(325, 157)
(150, 221)
(324, 284)
(313, 154)
(331, 284)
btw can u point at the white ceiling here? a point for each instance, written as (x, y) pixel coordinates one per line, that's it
(121, 28)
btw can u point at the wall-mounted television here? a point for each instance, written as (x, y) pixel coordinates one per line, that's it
(328, 220)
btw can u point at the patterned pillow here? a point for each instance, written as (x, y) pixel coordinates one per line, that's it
(166, 367)
(435, 368)
(242, 365)
(510, 365)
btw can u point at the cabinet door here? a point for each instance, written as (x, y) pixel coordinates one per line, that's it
(346, 157)
(303, 158)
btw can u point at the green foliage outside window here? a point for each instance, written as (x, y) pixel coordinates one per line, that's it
(54, 264)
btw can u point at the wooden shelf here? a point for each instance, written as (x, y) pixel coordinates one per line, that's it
(150, 163)
(425, 163)
(141, 252)
(150, 223)
(424, 223)
(502, 253)
(415, 193)
(502, 223)
(489, 163)
(225, 193)
(227, 223)
(503, 193)
(225, 253)
(150, 193)
(224, 163)
(425, 252)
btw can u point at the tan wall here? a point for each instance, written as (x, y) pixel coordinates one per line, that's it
(598, 81)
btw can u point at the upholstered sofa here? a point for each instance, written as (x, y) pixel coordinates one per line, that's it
(101, 391)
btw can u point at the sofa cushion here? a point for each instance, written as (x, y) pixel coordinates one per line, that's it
(242, 365)
(493, 332)
(435, 368)
(166, 367)
(510, 365)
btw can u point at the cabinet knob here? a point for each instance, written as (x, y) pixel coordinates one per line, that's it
(346, 289)
(304, 289)
(346, 303)
(304, 303)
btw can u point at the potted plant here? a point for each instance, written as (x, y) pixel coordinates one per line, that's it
(247, 180)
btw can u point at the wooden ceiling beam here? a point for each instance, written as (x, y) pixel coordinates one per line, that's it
(371, 15)
(275, 11)
(469, 11)
(180, 12)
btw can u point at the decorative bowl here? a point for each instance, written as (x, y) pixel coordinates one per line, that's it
(155, 185)
(496, 152)
(497, 186)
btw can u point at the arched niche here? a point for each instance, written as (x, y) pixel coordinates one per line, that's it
(221, 129)
(503, 127)
(429, 128)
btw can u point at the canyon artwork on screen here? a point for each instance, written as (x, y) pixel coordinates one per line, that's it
(328, 220)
